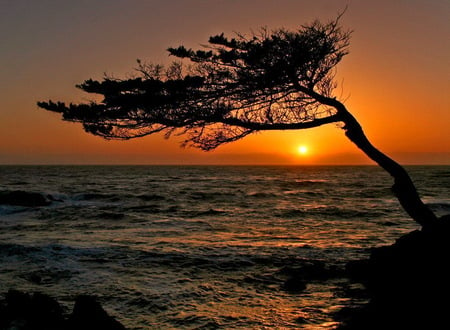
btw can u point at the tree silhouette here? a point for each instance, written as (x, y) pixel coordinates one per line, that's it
(274, 80)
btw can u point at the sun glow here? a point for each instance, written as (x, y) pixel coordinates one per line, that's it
(302, 150)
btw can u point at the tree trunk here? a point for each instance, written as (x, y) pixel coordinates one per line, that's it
(403, 187)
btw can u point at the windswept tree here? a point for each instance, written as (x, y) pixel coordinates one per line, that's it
(233, 87)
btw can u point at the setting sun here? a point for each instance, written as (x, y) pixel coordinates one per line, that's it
(302, 150)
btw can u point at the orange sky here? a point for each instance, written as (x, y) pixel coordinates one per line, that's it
(396, 78)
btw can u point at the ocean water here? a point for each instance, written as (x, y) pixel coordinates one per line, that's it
(200, 247)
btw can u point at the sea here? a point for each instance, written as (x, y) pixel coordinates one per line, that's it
(201, 247)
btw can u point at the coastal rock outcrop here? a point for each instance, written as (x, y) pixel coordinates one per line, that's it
(89, 314)
(23, 198)
(408, 283)
(24, 311)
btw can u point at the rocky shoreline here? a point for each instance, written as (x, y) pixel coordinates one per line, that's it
(37, 311)
(408, 283)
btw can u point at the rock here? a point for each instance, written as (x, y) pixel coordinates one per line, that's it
(46, 311)
(408, 283)
(301, 320)
(23, 311)
(358, 270)
(88, 314)
(312, 270)
(307, 271)
(23, 198)
(294, 285)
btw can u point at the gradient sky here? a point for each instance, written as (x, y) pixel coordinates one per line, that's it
(396, 79)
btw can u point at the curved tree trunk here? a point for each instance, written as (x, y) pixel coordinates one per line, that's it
(403, 187)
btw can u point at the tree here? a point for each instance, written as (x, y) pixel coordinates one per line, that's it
(274, 80)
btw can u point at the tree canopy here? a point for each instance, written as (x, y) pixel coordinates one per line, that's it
(233, 86)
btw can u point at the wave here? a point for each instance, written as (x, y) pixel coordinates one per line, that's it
(209, 195)
(258, 194)
(311, 182)
(442, 174)
(48, 276)
(302, 183)
(110, 216)
(145, 209)
(337, 212)
(375, 193)
(150, 197)
(198, 321)
(94, 196)
(209, 212)
(18, 183)
(52, 256)
(442, 208)
(57, 252)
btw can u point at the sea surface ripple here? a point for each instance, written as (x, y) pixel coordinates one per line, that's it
(199, 246)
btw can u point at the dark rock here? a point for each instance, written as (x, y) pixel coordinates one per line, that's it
(408, 283)
(23, 311)
(47, 312)
(312, 270)
(294, 285)
(307, 271)
(88, 314)
(358, 270)
(17, 303)
(23, 198)
(301, 320)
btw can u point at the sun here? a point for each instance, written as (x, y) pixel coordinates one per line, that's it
(302, 150)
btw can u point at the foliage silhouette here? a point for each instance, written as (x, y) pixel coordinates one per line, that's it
(274, 80)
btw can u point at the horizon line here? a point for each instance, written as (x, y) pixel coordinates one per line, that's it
(197, 164)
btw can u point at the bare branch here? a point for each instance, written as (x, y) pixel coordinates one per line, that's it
(273, 80)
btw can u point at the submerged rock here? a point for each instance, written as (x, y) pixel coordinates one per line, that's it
(24, 311)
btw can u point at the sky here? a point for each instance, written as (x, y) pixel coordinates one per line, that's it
(395, 81)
